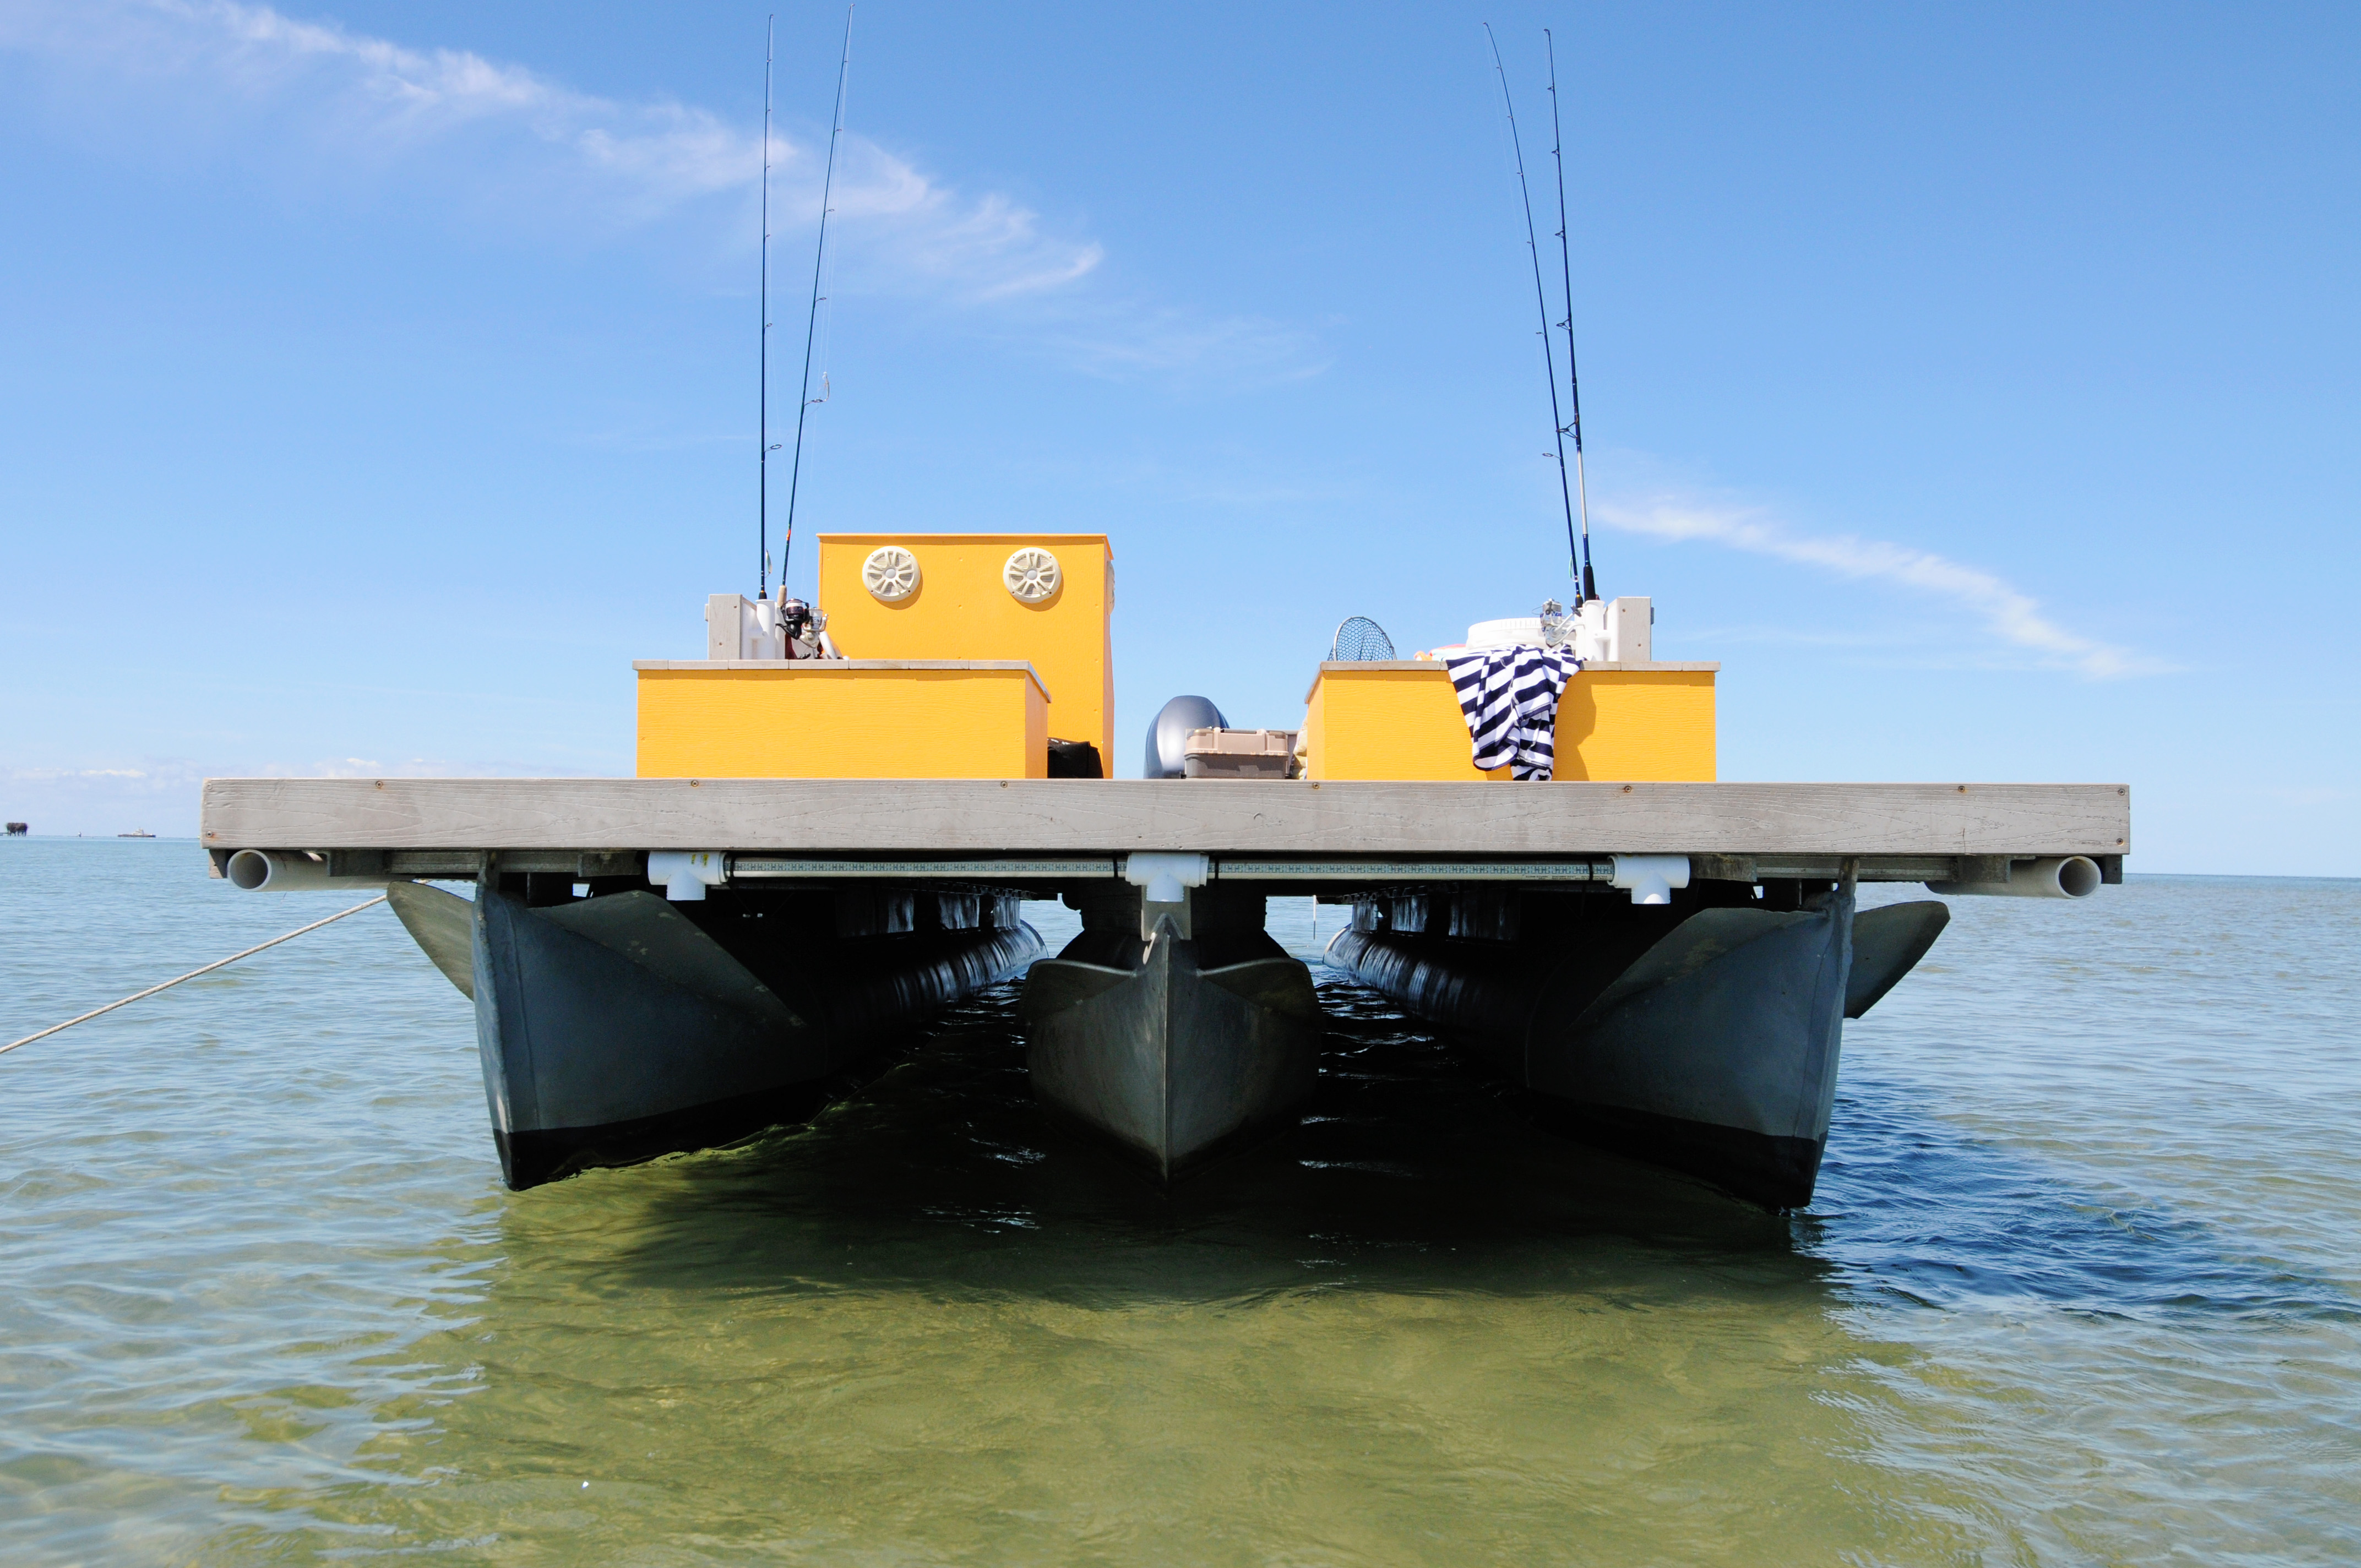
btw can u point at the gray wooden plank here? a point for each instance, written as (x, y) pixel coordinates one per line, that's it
(1060, 816)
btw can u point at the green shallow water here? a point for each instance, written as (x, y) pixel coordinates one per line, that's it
(2079, 1286)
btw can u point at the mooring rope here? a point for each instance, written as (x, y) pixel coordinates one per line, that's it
(192, 974)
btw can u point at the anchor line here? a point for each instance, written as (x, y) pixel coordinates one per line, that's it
(192, 974)
(1541, 298)
(811, 323)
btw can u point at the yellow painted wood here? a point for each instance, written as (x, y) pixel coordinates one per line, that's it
(1388, 724)
(1656, 726)
(1392, 722)
(963, 610)
(814, 720)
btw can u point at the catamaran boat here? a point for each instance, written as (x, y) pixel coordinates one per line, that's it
(842, 809)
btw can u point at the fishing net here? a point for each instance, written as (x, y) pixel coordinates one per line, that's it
(1359, 639)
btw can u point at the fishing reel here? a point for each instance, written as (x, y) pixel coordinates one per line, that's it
(1583, 630)
(803, 631)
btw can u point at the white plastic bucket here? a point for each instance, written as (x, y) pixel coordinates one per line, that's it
(1522, 631)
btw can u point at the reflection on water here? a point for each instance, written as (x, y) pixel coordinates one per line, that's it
(278, 1308)
(1412, 1330)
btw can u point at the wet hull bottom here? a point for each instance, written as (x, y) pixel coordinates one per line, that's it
(1775, 1172)
(1705, 1041)
(550, 1154)
(1173, 1064)
(615, 1029)
(1176, 1050)
(620, 1028)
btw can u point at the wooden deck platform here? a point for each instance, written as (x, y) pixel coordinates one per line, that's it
(598, 827)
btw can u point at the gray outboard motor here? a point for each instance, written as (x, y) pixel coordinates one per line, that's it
(1168, 737)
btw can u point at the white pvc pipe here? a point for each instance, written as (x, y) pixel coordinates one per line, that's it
(1650, 878)
(1164, 879)
(285, 871)
(685, 874)
(2053, 876)
(1162, 876)
(1224, 868)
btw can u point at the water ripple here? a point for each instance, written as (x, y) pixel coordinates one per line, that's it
(2080, 1284)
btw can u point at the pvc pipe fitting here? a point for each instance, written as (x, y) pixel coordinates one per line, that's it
(685, 874)
(1163, 877)
(1650, 878)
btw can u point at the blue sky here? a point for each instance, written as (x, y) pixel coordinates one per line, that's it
(1977, 384)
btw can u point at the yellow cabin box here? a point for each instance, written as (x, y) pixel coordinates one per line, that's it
(1399, 718)
(965, 652)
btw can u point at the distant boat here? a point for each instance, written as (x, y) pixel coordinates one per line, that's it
(137, 833)
(17, 830)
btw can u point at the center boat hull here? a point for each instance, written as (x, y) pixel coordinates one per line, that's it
(618, 1028)
(1177, 1049)
(1703, 1038)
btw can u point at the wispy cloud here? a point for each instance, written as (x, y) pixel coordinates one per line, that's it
(50, 775)
(1119, 343)
(621, 162)
(414, 768)
(2014, 617)
(162, 793)
(184, 773)
(395, 97)
(529, 144)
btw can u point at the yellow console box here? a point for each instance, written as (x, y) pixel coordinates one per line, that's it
(1399, 718)
(1045, 599)
(842, 718)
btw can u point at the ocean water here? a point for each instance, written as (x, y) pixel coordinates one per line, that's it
(2082, 1283)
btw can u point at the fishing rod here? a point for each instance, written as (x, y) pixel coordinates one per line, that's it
(763, 399)
(1573, 376)
(811, 323)
(1549, 360)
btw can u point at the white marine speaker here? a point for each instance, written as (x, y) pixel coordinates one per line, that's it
(891, 574)
(1031, 575)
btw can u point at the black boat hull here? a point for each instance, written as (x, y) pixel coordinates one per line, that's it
(1707, 1039)
(615, 1029)
(1177, 1050)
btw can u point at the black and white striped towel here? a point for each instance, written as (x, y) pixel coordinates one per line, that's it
(1510, 697)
